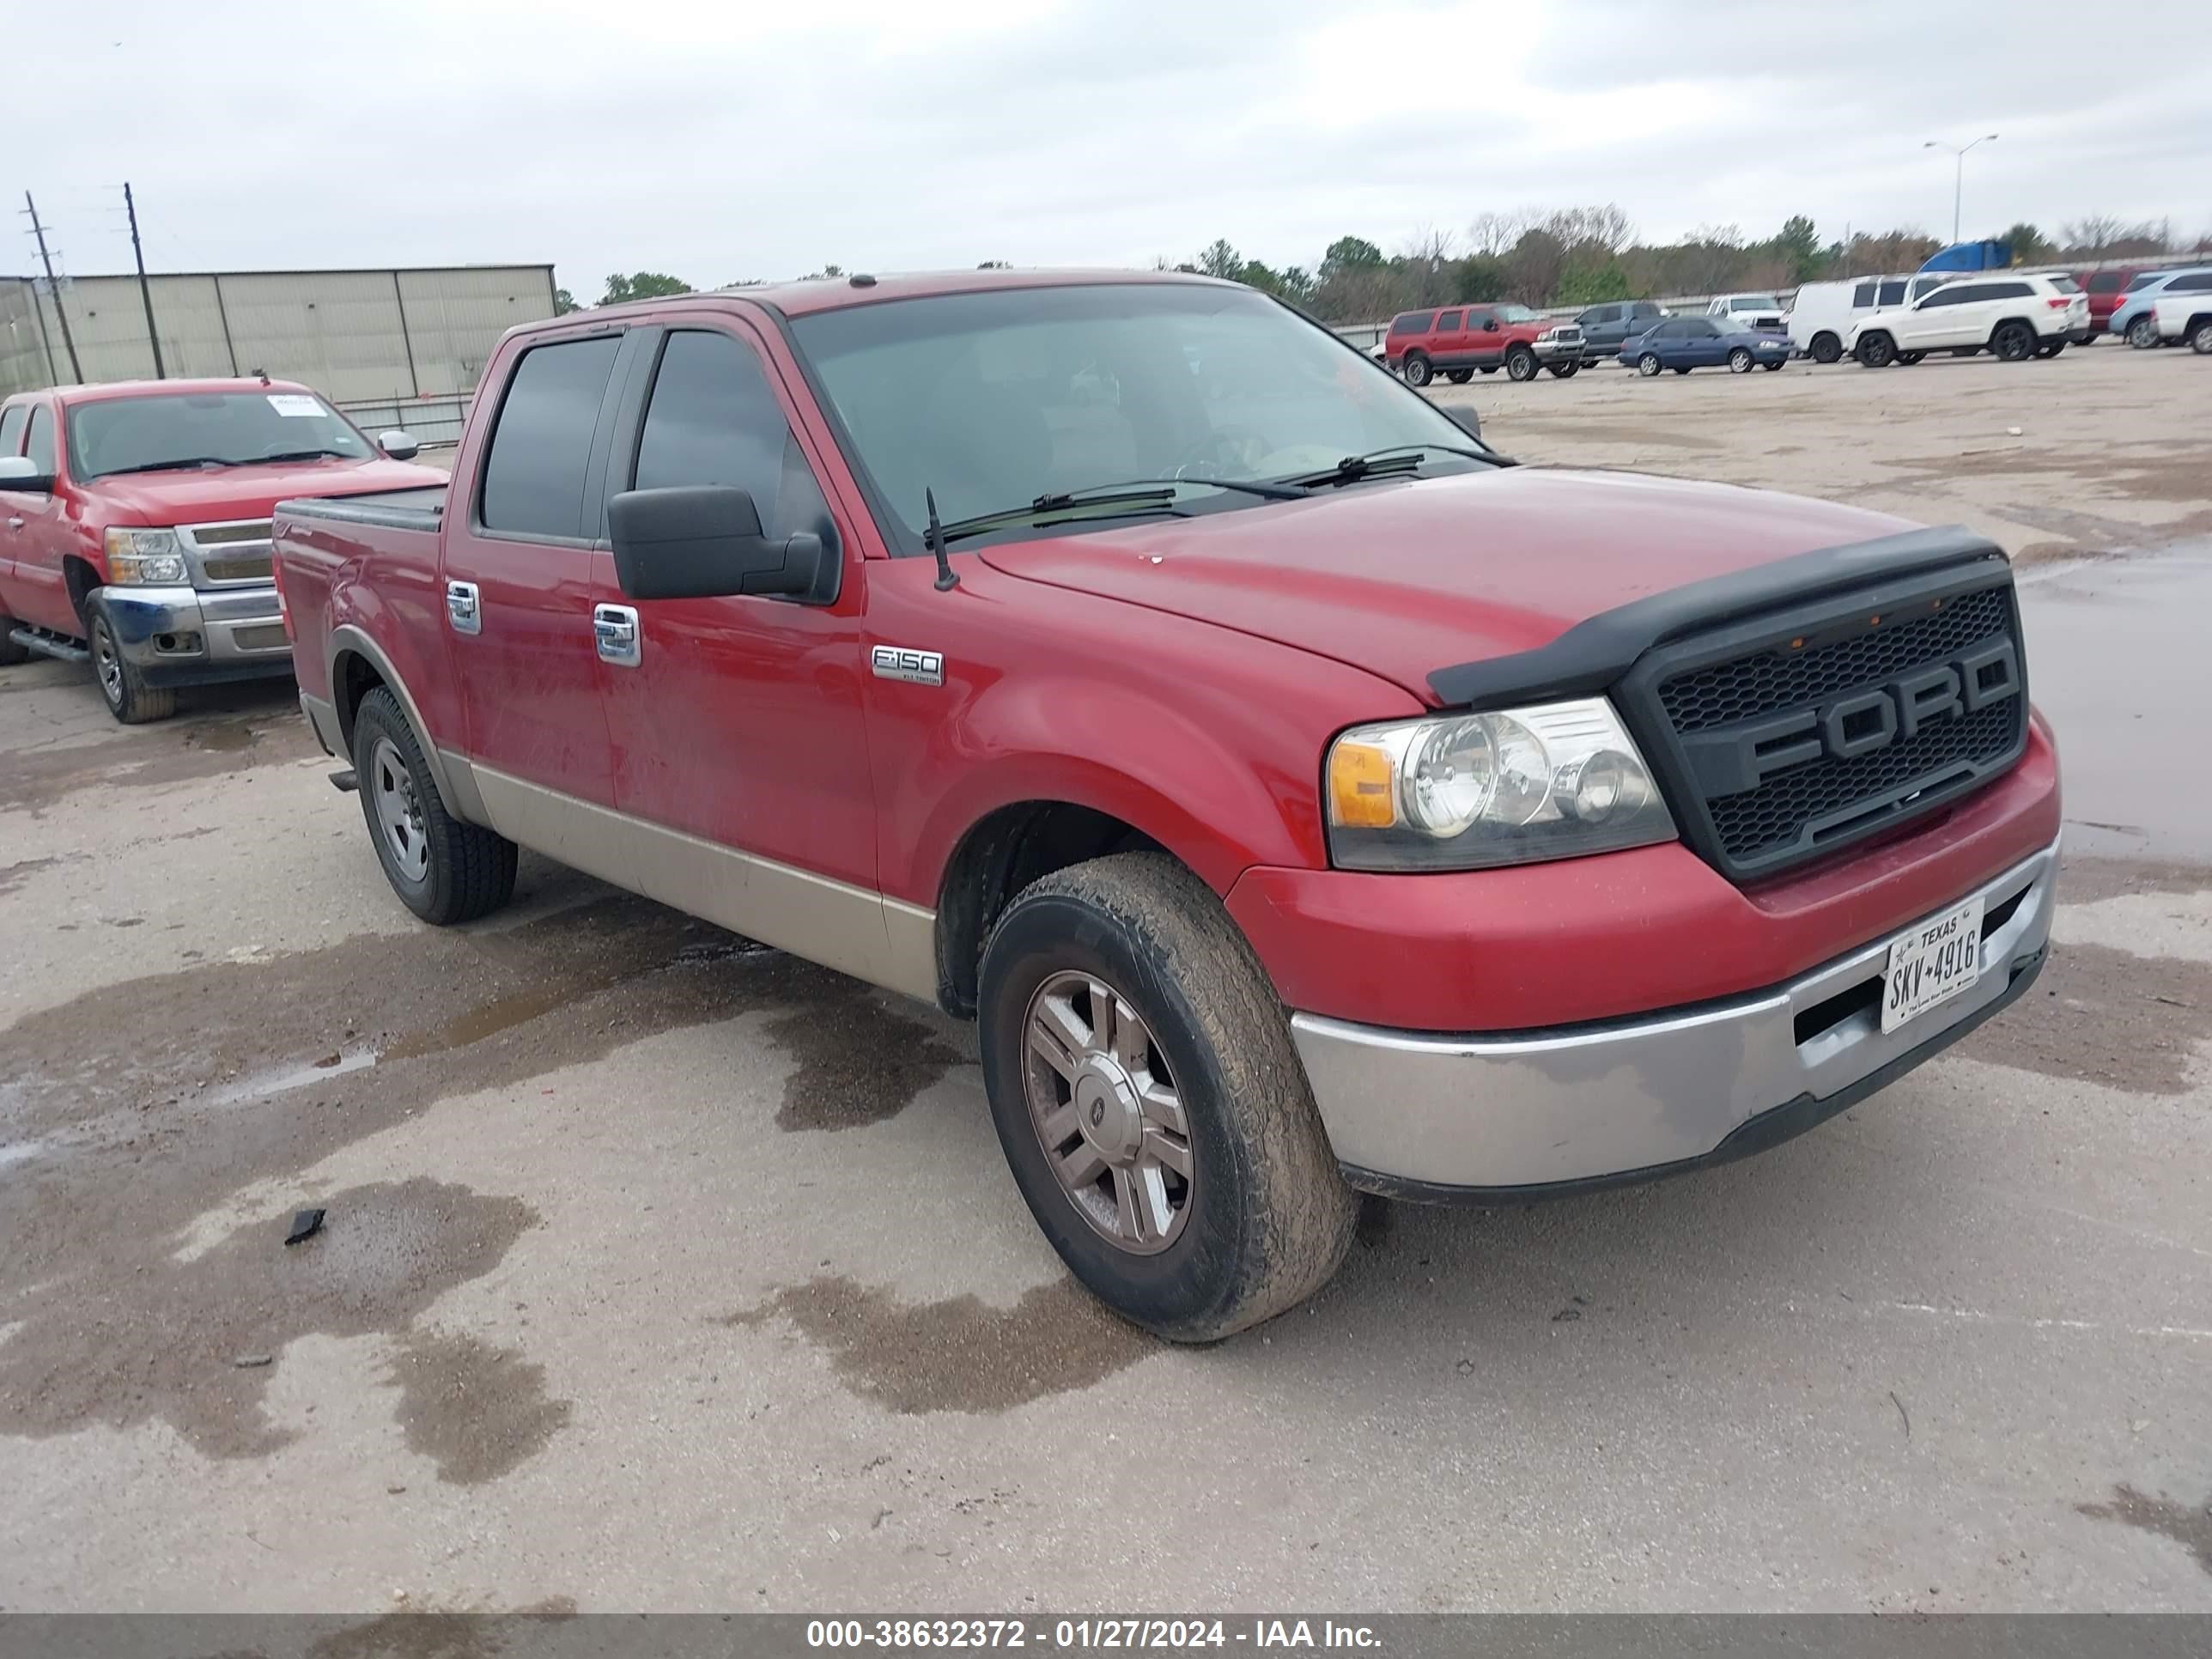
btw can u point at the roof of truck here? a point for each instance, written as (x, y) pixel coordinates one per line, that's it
(858, 289)
(110, 391)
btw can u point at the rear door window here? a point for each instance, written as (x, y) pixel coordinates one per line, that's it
(1863, 294)
(2067, 285)
(1892, 293)
(1450, 319)
(534, 471)
(2019, 290)
(1413, 322)
(2200, 283)
(714, 419)
(11, 428)
(40, 448)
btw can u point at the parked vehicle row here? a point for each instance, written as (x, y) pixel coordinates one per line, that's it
(1458, 342)
(2014, 315)
(2132, 318)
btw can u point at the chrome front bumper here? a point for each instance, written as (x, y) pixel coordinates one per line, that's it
(1417, 1114)
(175, 635)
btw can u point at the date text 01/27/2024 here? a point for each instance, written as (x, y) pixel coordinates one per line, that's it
(1263, 1635)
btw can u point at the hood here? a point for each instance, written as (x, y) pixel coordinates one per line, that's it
(1402, 579)
(246, 492)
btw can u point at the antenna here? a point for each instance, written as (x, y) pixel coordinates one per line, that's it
(934, 540)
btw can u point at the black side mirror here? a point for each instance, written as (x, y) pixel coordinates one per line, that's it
(21, 473)
(704, 541)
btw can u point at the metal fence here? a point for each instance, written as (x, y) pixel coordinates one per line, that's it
(434, 422)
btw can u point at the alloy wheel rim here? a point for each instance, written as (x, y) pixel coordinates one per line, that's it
(109, 662)
(1107, 1114)
(399, 812)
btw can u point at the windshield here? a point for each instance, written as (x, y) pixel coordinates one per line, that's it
(1515, 314)
(198, 428)
(1754, 302)
(992, 400)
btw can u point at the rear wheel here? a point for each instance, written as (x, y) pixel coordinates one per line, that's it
(2013, 343)
(1825, 348)
(2143, 332)
(1909, 358)
(1417, 369)
(445, 871)
(1739, 361)
(1150, 1103)
(122, 687)
(1684, 369)
(1876, 351)
(1521, 363)
(1490, 368)
(1647, 365)
(1769, 368)
(2050, 348)
(2200, 337)
(1563, 371)
(1459, 376)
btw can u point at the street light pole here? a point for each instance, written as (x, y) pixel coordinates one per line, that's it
(1959, 174)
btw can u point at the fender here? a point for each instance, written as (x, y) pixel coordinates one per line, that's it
(451, 772)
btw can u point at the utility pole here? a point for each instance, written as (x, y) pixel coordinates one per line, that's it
(76, 371)
(1958, 177)
(145, 293)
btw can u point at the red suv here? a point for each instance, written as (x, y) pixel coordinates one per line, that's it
(1458, 340)
(2106, 289)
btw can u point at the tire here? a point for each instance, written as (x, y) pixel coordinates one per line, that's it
(122, 688)
(1909, 358)
(1263, 1219)
(2012, 342)
(443, 870)
(1648, 364)
(1825, 348)
(1459, 376)
(2200, 337)
(1563, 371)
(1417, 369)
(2143, 332)
(2050, 348)
(1769, 368)
(1490, 368)
(1875, 351)
(1739, 361)
(10, 652)
(1520, 364)
(1686, 368)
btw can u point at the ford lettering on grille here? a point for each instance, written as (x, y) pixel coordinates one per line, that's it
(1787, 740)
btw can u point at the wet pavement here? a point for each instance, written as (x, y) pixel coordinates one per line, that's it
(662, 1271)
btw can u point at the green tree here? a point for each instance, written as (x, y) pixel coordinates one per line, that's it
(1587, 282)
(1220, 259)
(1798, 246)
(1349, 253)
(563, 302)
(2030, 246)
(642, 285)
(1479, 279)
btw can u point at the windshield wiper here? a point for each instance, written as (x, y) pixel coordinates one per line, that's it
(1136, 495)
(177, 466)
(1389, 462)
(308, 455)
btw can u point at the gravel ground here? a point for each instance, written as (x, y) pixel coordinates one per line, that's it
(660, 1271)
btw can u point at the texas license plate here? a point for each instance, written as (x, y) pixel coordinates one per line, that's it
(1932, 963)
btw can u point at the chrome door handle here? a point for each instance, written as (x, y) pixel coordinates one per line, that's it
(617, 630)
(462, 610)
(15, 523)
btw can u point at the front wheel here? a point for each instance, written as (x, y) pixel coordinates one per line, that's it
(2013, 343)
(1417, 369)
(1739, 361)
(1876, 351)
(122, 687)
(1826, 347)
(1647, 365)
(1150, 1103)
(1521, 364)
(445, 871)
(2200, 337)
(1563, 371)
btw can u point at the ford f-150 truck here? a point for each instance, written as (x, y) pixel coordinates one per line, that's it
(1302, 799)
(134, 525)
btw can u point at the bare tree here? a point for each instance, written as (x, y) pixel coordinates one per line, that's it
(1606, 228)
(1492, 234)
(2090, 235)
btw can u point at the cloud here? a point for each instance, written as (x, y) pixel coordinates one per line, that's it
(724, 142)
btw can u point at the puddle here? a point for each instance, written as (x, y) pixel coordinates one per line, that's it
(961, 1354)
(859, 1061)
(479, 1410)
(284, 1078)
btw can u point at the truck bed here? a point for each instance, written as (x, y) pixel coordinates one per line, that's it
(393, 509)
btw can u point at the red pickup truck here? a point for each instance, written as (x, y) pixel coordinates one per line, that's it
(134, 525)
(1303, 798)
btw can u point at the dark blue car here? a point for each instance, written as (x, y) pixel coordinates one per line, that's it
(1683, 344)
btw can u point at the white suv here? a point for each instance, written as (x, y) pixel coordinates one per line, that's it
(2185, 317)
(2015, 314)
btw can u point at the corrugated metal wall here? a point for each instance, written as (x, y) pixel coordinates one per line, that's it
(353, 335)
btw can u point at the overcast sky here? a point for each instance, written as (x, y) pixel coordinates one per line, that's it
(722, 142)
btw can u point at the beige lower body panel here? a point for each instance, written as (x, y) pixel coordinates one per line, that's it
(882, 940)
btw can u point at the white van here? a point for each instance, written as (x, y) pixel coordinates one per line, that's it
(1821, 316)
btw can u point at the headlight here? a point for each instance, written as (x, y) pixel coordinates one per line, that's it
(1459, 792)
(144, 558)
